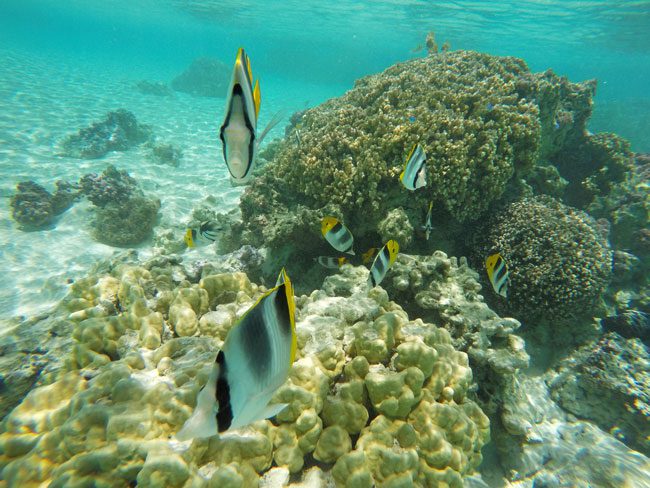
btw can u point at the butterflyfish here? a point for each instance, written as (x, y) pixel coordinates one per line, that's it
(252, 364)
(337, 235)
(428, 225)
(497, 271)
(414, 174)
(382, 263)
(330, 262)
(238, 132)
(367, 256)
(206, 233)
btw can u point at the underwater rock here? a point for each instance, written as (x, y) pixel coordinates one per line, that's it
(157, 88)
(552, 448)
(558, 261)
(119, 131)
(206, 77)
(166, 154)
(33, 207)
(629, 324)
(123, 215)
(127, 223)
(112, 186)
(109, 417)
(608, 382)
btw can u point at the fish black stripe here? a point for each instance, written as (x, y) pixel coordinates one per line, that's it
(224, 414)
(499, 270)
(238, 91)
(282, 309)
(337, 228)
(256, 341)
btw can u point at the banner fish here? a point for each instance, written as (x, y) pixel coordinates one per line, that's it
(497, 271)
(330, 262)
(414, 174)
(382, 263)
(337, 235)
(206, 233)
(252, 364)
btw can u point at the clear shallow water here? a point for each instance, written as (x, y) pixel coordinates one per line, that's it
(64, 65)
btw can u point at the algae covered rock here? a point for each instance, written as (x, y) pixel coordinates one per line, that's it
(33, 207)
(119, 131)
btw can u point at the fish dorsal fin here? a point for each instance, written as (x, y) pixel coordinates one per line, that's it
(248, 68)
(257, 97)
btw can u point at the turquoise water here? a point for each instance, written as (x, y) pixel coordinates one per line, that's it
(65, 64)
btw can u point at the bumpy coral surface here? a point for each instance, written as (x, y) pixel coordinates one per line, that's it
(33, 207)
(374, 398)
(119, 131)
(559, 262)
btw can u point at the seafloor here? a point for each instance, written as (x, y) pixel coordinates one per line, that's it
(430, 379)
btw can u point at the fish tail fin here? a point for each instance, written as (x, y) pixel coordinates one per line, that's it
(275, 120)
(257, 98)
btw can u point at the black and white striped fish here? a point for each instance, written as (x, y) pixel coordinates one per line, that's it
(382, 263)
(337, 235)
(497, 271)
(252, 364)
(331, 262)
(206, 233)
(414, 174)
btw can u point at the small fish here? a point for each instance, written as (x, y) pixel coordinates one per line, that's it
(238, 132)
(367, 256)
(428, 226)
(337, 235)
(414, 174)
(556, 124)
(630, 324)
(412, 118)
(330, 262)
(490, 106)
(382, 263)
(252, 364)
(206, 233)
(497, 271)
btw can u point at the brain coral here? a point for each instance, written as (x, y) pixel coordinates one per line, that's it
(559, 262)
(373, 396)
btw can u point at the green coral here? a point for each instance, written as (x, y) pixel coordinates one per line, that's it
(559, 263)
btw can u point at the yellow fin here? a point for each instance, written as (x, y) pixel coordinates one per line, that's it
(257, 97)
(248, 67)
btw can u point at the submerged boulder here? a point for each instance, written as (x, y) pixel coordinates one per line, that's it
(205, 77)
(33, 207)
(119, 131)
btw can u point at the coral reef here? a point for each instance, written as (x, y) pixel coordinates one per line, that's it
(33, 207)
(374, 398)
(119, 131)
(157, 88)
(559, 263)
(206, 77)
(595, 383)
(166, 154)
(482, 120)
(124, 216)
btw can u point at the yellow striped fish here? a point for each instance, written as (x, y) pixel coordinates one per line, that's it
(382, 263)
(331, 262)
(206, 233)
(337, 235)
(497, 271)
(413, 175)
(252, 364)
